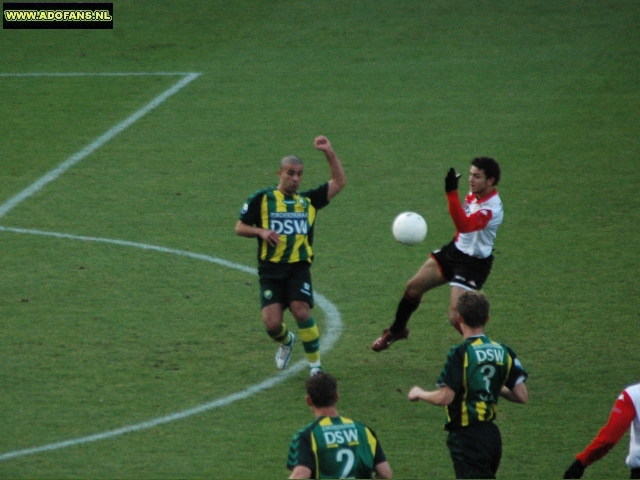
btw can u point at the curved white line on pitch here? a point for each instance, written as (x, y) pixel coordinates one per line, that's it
(329, 338)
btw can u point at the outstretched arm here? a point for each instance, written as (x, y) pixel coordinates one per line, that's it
(338, 178)
(620, 419)
(441, 397)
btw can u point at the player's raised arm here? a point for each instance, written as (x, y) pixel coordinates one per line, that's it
(338, 177)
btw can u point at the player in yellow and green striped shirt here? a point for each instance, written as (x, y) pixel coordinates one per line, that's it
(333, 446)
(283, 222)
(476, 374)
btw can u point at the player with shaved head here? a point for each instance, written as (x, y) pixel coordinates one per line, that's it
(282, 219)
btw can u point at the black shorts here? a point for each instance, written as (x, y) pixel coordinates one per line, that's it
(476, 450)
(461, 269)
(285, 282)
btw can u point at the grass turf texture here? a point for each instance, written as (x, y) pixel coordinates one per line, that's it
(97, 336)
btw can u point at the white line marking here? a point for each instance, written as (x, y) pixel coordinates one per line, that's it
(92, 147)
(333, 319)
(125, 243)
(329, 338)
(105, 74)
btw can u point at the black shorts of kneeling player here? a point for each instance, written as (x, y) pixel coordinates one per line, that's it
(285, 282)
(461, 269)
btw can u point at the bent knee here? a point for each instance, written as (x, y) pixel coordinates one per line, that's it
(300, 311)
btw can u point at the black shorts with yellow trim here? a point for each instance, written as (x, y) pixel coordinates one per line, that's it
(284, 283)
(461, 269)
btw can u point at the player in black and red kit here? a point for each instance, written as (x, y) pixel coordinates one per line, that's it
(464, 263)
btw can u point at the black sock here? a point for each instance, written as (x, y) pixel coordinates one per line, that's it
(406, 307)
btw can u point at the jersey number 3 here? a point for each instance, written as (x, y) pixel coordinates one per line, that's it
(488, 371)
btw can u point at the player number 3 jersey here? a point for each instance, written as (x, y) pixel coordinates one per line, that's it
(476, 370)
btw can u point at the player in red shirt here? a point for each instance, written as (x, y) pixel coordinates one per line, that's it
(464, 263)
(624, 415)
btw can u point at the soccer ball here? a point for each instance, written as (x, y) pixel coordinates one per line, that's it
(409, 228)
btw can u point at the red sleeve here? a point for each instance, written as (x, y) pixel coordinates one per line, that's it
(465, 224)
(622, 415)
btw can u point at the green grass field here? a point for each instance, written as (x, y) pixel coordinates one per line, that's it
(102, 329)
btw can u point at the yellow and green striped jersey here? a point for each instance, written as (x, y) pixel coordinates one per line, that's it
(292, 217)
(336, 447)
(476, 371)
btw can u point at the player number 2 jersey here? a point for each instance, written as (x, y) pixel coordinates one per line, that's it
(336, 447)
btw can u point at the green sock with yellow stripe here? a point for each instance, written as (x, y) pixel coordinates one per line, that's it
(281, 336)
(310, 336)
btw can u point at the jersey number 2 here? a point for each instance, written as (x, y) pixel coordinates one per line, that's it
(349, 461)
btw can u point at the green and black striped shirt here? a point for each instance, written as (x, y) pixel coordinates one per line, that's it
(476, 370)
(336, 447)
(292, 217)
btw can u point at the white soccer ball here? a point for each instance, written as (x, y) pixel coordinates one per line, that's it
(409, 228)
